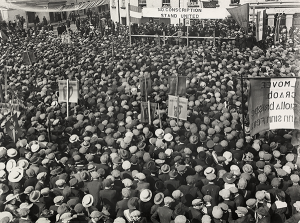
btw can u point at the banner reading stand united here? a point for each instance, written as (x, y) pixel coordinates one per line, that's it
(273, 103)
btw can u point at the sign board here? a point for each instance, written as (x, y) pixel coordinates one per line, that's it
(182, 107)
(25, 25)
(274, 103)
(184, 13)
(63, 91)
(187, 22)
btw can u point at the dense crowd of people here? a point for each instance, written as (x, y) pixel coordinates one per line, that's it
(103, 164)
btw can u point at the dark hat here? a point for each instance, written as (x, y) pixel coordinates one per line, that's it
(229, 178)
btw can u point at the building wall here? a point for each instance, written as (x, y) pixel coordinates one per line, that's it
(10, 14)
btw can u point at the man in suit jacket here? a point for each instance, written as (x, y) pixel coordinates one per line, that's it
(163, 213)
(190, 192)
(211, 189)
(293, 192)
(142, 184)
(94, 187)
(122, 205)
(172, 184)
(108, 196)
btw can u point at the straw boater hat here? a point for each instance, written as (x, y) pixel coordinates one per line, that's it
(15, 175)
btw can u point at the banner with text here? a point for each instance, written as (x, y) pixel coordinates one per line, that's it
(185, 13)
(182, 107)
(63, 91)
(274, 104)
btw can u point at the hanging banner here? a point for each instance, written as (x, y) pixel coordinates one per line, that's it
(274, 104)
(182, 107)
(73, 91)
(241, 15)
(260, 25)
(54, 8)
(145, 111)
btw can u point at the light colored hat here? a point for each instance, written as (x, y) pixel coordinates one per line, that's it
(209, 170)
(146, 195)
(10, 165)
(126, 165)
(35, 147)
(12, 152)
(22, 163)
(159, 133)
(168, 137)
(74, 138)
(87, 200)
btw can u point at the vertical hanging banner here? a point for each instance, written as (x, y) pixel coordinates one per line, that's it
(63, 91)
(181, 81)
(260, 25)
(145, 111)
(182, 107)
(274, 104)
(145, 85)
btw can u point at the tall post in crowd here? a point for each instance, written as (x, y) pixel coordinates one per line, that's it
(129, 24)
(67, 98)
(176, 94)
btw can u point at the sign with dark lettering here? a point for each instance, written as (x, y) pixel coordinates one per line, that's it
(274, 104)
(175, 107)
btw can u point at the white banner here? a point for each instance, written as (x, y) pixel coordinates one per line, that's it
(63, 91)
(182, 107)
(186, 13)
(278, 97)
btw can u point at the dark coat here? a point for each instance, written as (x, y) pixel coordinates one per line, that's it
(93, 188)
(172, 185)
(163, 213)
(213, 191)
(121, 206)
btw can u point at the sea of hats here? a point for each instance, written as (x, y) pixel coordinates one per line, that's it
(102, 164)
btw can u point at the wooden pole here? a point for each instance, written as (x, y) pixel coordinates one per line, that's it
(160, 125)
(67, 98)
(164, 34)
(176, 93)
(214, 37)
(243, 107)
(5, 82)
(129, 24)
(187, 36)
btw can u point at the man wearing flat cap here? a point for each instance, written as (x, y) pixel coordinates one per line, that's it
(242, 214)
(194, 213)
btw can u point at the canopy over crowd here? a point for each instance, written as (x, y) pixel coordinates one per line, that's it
(102, 164)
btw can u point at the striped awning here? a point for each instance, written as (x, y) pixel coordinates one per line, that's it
(55, 7)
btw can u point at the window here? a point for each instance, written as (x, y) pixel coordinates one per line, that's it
(235, 2)
(193, 3)
(142, 3)
(166, 3)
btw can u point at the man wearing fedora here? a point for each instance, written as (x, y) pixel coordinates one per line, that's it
(173, 183)
(163, 214)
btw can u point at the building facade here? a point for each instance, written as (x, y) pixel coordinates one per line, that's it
(9, 14)
(148, 10)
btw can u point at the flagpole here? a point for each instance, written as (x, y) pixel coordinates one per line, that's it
(129, 24)
(146, 94)
(187, 36)
(177, 79)
(159, 116)
(214, 37)
(243, 107)
(67, 98)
